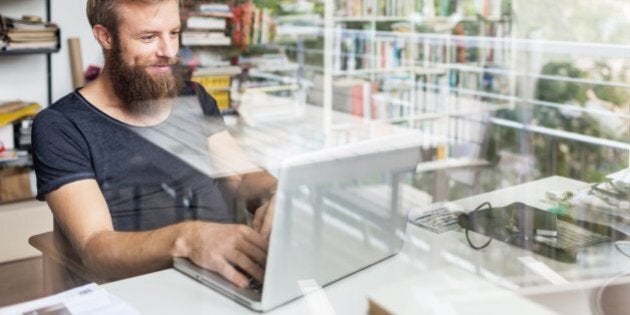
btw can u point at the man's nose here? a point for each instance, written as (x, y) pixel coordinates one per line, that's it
(168, 48)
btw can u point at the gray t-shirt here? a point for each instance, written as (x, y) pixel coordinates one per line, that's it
(145, 186)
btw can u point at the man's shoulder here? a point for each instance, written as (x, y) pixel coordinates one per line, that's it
(61, 109)
(63, 106)
(70, 99)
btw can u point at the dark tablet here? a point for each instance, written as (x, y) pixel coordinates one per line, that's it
(520, 225)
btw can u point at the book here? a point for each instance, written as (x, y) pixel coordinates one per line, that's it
(200, 38)
(255, 25)
(27, 33)
(242, 24)
(206, 22)
(15, 110)
(29, 36)
(214, 71)
(265, 26)
(31, 45)
(23, 24)
(353, 96)
(215, 9)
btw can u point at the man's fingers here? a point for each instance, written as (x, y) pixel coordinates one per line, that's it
(265, 229)
(246, 264)
(255, 252)
(253, 237)
(258, 218)
(231, 274)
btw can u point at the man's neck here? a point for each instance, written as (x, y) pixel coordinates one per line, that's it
(100, 93)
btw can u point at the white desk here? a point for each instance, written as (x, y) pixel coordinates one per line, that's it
(423, 255)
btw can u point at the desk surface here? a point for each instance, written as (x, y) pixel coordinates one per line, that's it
(425, 254)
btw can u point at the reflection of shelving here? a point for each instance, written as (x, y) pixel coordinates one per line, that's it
(425, 84)
(375, 40)
(271, 89)
(370, 18)
(366, 41)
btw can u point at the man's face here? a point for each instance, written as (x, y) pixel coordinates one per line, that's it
(142, 61)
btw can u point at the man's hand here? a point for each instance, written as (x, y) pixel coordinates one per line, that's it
(225, 247)
(264, 217)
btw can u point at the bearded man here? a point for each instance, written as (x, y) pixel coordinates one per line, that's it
(127, 206)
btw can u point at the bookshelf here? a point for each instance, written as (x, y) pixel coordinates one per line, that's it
(25, 55)
(365, 41)
(222, 40)
(406, 49)
(43, 51)
(207, 47)
(246, 66)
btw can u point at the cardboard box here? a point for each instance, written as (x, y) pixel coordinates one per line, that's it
(15, 184)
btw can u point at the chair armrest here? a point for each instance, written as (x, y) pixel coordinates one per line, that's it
(57, 247)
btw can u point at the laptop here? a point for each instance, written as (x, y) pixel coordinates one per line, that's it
(315, 223)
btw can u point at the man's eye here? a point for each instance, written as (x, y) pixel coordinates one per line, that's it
(147, 37)
(175, 33)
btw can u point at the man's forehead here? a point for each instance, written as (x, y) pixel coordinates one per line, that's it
(138, 15)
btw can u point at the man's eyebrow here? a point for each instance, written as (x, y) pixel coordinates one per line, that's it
(145, 31)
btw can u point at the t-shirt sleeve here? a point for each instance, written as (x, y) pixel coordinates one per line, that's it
(60, 152)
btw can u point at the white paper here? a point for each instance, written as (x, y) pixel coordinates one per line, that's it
(88, 299)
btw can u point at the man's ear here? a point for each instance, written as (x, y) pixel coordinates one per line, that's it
(103, 36)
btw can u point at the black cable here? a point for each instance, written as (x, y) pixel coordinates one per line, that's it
(623, 252)
(466, 230)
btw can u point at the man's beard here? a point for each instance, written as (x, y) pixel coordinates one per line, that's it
(141, 92)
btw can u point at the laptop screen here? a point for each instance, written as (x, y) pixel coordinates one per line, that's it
(337, 211)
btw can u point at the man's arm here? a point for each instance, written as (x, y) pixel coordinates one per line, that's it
(81, 211)
(246, 180)
(230, 161)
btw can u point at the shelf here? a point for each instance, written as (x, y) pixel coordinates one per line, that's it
(40, 51)
(370, 18)
(217, 71)
(270, 88)
(218, 89)
(370, 71)
(15, 158)
(28, 51)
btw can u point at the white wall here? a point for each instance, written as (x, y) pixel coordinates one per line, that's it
(24, 76)
(70, 15)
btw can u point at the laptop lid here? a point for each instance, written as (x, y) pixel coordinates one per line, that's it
(338, 211)
(328, 202)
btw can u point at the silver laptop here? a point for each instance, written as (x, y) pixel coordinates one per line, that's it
(338, 211)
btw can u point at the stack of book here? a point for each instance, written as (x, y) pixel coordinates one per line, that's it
(263, 26)
(28, 33)
(217, 82)
(207, 26)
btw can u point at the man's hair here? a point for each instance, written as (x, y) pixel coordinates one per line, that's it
(105, 12)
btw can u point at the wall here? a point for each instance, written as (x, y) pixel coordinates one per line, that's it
(24, 76)
(70, 15)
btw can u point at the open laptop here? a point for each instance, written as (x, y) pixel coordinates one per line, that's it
(320, 235)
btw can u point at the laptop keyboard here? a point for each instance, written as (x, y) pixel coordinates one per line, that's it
(255, 285)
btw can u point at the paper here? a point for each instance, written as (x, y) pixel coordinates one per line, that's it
(88, 299)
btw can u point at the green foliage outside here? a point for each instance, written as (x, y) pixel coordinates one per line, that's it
(570, 158)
